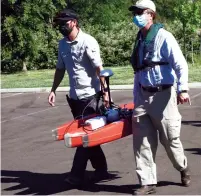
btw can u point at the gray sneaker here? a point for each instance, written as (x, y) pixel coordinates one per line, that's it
(185, 177)
(145, 190)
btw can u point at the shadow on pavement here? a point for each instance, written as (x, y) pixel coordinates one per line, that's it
(193, 123)
(167, 183)
(34, 183)
(47, 184)
(194, 150)
(26, 182)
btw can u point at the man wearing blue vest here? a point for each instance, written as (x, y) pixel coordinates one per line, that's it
(158, 65)
(79, 56)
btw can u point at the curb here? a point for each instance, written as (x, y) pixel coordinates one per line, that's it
(66, 89)
(59, 89)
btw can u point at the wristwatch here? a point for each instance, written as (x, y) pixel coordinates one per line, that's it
(183, 91)
(105, 90)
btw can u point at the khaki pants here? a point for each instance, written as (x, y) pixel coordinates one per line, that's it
(156, 114)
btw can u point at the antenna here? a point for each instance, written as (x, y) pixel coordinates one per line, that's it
(107, 73)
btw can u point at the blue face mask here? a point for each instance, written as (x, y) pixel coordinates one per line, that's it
(140, 21)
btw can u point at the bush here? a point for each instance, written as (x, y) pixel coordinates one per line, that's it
(115, 43)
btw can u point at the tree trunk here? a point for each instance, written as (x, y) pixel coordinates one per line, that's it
(184, 33)
(200, 44)
(192, 51)
(24, 66)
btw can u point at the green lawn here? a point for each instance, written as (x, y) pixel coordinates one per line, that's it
(44, 78)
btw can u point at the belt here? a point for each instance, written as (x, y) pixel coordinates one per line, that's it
(156, 89)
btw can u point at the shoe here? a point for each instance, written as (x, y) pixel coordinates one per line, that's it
(185, 177)
(145, 190)
(73, 181)
(99, 176)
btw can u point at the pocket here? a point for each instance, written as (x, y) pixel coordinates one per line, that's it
(173, 128)
(171, 110)
(79, 54)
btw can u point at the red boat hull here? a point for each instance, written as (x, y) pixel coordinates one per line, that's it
(75, 134)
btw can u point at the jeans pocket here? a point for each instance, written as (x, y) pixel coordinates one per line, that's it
(173, 128)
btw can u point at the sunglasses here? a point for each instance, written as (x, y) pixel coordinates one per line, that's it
(138, 12)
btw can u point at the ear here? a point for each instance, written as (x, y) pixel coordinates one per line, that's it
(153, 15)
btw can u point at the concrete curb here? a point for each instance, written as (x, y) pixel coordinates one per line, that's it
(66, 89)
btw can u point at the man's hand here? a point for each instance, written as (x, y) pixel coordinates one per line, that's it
(183, 98)
(106, 100)
(51, 98)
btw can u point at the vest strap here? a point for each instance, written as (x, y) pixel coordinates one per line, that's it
(149, 65)
(149, 39)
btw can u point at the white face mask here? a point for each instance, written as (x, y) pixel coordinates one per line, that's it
(140, 20)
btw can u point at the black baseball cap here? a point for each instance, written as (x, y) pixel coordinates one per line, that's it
(66, 15)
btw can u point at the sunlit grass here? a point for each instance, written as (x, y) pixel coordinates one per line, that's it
(44, 78)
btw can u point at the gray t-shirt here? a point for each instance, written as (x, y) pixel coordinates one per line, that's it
(80, 58)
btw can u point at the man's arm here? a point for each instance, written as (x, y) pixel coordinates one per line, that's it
(180, 66)
(102, 79)
(58, 77)
(93, 52)
(136, 89)
(176, 59)
(104, 88)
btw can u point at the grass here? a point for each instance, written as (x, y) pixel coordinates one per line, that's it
(44, 78)
(195, 74)
(31, 79)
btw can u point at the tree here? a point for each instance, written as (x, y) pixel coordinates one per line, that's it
(188, 12)
(29, 40)
(28, 32)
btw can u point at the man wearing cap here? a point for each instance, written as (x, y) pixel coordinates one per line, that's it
(79, 55)
(158, 64)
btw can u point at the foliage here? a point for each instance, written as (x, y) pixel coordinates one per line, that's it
(29, 37)
(110, 23)
(29, 40)
(115, 43)
(188, 12)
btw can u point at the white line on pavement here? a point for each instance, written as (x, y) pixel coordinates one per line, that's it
(30, 114)
(190, 106)
(11, 95)
(197, 95)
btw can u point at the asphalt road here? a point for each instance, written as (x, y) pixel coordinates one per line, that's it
(33, 163)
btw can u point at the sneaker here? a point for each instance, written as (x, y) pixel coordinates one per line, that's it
(185, 177)
(145, 190)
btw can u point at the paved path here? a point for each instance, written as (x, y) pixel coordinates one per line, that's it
(32, 163)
